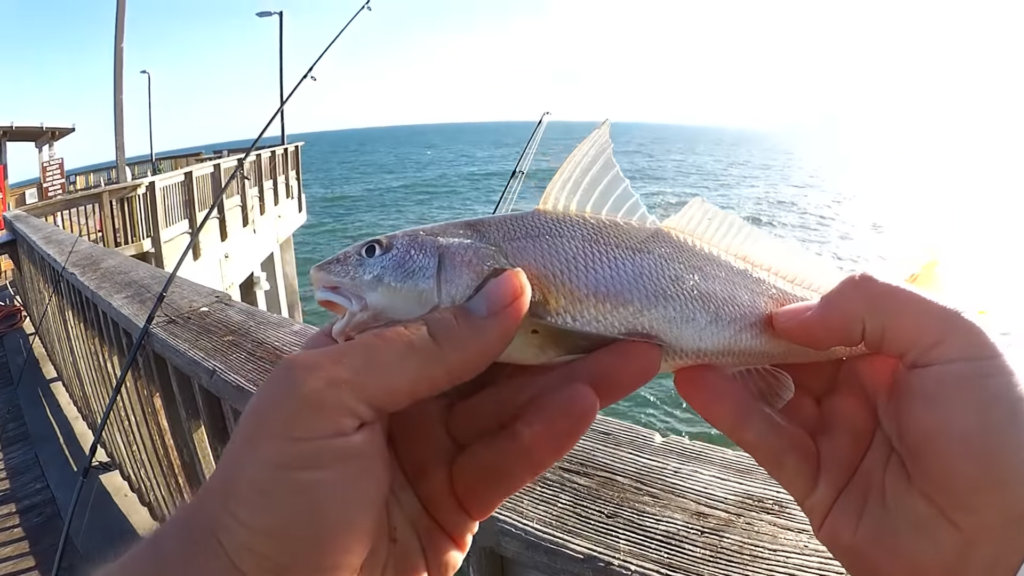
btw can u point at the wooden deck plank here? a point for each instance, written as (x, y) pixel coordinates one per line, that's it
(30, 522)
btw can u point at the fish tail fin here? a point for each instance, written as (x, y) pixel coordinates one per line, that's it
(928, 279)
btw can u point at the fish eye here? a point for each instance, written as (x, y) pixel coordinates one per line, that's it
(372, 248)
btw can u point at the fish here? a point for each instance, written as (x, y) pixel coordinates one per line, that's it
(701, 284)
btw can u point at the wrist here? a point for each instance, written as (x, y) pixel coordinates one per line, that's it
(187, 543)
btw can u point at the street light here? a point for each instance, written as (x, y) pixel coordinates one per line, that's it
(280, 59)
(149, 98)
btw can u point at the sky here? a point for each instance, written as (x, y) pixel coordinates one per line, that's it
(885, 81)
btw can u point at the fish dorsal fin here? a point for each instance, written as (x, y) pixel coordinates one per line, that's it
(742, 243)
(590, 182)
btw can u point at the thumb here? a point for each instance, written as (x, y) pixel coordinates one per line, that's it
(388, 369)
(887, 319)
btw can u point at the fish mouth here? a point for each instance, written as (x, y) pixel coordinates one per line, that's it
(346, 305)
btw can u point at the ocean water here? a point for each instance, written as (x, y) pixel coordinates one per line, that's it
(365, 182)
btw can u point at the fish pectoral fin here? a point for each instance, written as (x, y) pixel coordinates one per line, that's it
(742, 243)
(772, 385)
(538, 342)
(590, 182)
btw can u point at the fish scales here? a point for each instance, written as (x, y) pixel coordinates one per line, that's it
(610, 277)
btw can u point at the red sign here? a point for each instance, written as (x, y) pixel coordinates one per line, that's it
(3, 194)
(52, 178)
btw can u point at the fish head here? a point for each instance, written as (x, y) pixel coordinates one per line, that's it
(398, 277)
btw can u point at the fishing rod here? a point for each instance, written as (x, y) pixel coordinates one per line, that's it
(144, 331)
(515, 180)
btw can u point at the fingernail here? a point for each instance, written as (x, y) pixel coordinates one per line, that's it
(788, 315)
(495, 296)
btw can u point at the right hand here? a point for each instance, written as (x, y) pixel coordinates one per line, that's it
(906, 461)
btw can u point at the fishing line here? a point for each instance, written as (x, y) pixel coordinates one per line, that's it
(86, 465)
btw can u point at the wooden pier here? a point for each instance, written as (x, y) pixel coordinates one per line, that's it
(246, 248)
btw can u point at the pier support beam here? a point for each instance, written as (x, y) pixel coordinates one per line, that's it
(277, 301)
(252, 291)
(291, 279)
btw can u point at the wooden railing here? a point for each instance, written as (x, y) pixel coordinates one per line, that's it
(624, 501)
(139, 216)
(82, 180)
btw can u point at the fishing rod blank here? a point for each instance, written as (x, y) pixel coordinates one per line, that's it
(515, 180)
(144, 331)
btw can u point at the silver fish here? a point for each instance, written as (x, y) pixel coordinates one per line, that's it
(701, 284)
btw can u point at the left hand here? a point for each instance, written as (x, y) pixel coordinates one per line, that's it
(360, 458)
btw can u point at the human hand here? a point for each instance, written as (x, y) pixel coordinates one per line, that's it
(909, 460)
(363, 457)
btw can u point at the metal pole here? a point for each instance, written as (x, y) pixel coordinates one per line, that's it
(280, 69)
(149, 98)
(119, 91)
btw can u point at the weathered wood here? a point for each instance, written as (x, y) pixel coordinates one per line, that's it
(211, 414)
(261, 183)
(141, 217)
(216, 185)
(243, 192)
(192, 206)
(299, 196)
(156, 208)
(188, 408)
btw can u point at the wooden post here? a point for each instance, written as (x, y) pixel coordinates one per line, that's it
(243, 193)
(260, 187)
(275, 173)
(298, 178)
(216, 184)
(109, 229)
(287, 173)
(156, 211)
(192, 210)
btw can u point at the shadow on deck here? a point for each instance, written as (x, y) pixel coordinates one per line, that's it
(30, 522)
(40, 445)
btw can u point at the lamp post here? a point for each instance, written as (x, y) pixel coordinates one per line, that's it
(149, 99)
(280, 60)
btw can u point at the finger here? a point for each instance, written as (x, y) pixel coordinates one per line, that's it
(494, 468)
(613, 372)
(321, 338)
(803, 411)
(785, 451)
(886, 318)
(816, 378)
(385, 370)
(425, 454)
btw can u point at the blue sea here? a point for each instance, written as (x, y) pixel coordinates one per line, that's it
(365, 182)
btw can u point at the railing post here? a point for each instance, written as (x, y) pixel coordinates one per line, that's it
(243, 193)
(216, 184)
(156, 211)
(109, 228)
(260, 188)
(192, 210)
(298, 177)
(275, 173)
(287, 174)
